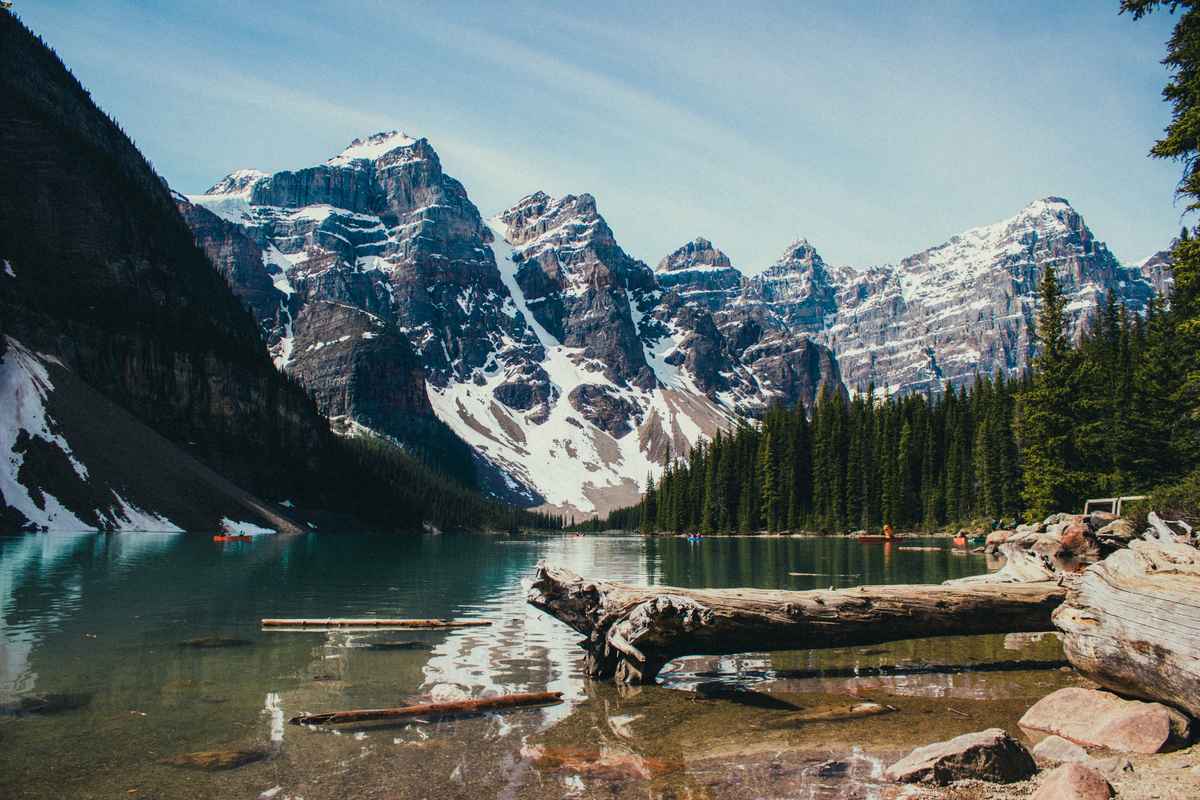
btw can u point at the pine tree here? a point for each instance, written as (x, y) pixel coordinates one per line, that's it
(1044, 410)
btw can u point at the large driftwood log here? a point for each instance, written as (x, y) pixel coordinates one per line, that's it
(1132, 622)
(632, 632)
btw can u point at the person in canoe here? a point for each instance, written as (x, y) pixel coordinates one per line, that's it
(888, 532)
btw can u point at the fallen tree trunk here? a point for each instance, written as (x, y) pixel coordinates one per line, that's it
(1132, 622)
(632, 632)
(373, 622)
(432, 710)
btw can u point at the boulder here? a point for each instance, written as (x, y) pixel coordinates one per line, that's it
(995, 539)
(1098, 519)
(1073, 782)
(990, 755)
(1056, 749)
(1100, 719)
(1030, 527)
(1077, 548)
(1116, 534)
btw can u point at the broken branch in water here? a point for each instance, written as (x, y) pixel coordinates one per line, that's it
(373, 622)
(449, 709)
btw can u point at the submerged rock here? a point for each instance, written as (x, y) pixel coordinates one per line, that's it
(216, 760)
(398, 646)
(212, 642)
(745, 697)
(1073, 782)
(449, 693)
(990, 755)
(603, 763)
(1101, 719)
(48, 703)
(834, 713)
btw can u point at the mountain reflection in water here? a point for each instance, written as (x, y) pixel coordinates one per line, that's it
(159, 635)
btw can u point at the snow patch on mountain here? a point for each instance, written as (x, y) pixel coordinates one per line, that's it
(24, 386)
(371, 148)
(573, 464)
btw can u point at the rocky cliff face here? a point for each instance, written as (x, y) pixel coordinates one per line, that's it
(1156, 270)
(571, 368)
(970, 305)
(700, 273)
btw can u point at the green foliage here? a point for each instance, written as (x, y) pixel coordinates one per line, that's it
(1179, 500)
(1044, 420)
(850, 464)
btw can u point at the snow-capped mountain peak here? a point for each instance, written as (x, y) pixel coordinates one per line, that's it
(372, 148)
(699, 253)
(240, 181)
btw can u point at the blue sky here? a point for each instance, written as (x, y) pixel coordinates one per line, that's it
(873, 129)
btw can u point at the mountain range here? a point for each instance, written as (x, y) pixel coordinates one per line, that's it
(574, 370)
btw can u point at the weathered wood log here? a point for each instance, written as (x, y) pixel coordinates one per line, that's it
(632, 632)
(1020, 566)
(1132, 623)
(432, 710)
(1164, 532)
(373, 622)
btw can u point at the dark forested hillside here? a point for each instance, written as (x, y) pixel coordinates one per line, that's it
(102, 278)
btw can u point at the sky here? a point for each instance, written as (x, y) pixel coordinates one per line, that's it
(875, 130)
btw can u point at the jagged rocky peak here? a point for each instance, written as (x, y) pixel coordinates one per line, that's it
(969, 305)
(570, 217)
(696, 254)
(237, 182)
(578, 284)
(1159, 270)
(374, 147)
(382, 273)
(797, 287)
(699, 272)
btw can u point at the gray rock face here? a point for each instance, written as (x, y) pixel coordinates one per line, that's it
(969, 305)
(1056, 750)
(1158, 271)
(240, 260)
(371, 274)
(797, 289)
(579, 284)
(990, 755)
(700, 273)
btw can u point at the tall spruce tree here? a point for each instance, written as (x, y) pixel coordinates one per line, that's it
(1044, 412)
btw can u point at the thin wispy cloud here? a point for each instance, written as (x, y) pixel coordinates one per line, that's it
(874, 130)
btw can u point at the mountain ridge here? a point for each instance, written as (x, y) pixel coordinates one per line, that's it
(574, 370)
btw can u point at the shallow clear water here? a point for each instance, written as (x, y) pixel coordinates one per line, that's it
(96, 629)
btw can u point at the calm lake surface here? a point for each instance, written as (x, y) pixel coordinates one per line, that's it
(101, 679)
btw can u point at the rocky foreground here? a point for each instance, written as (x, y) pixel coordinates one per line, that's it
(1126, 608)
(1130, 624)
